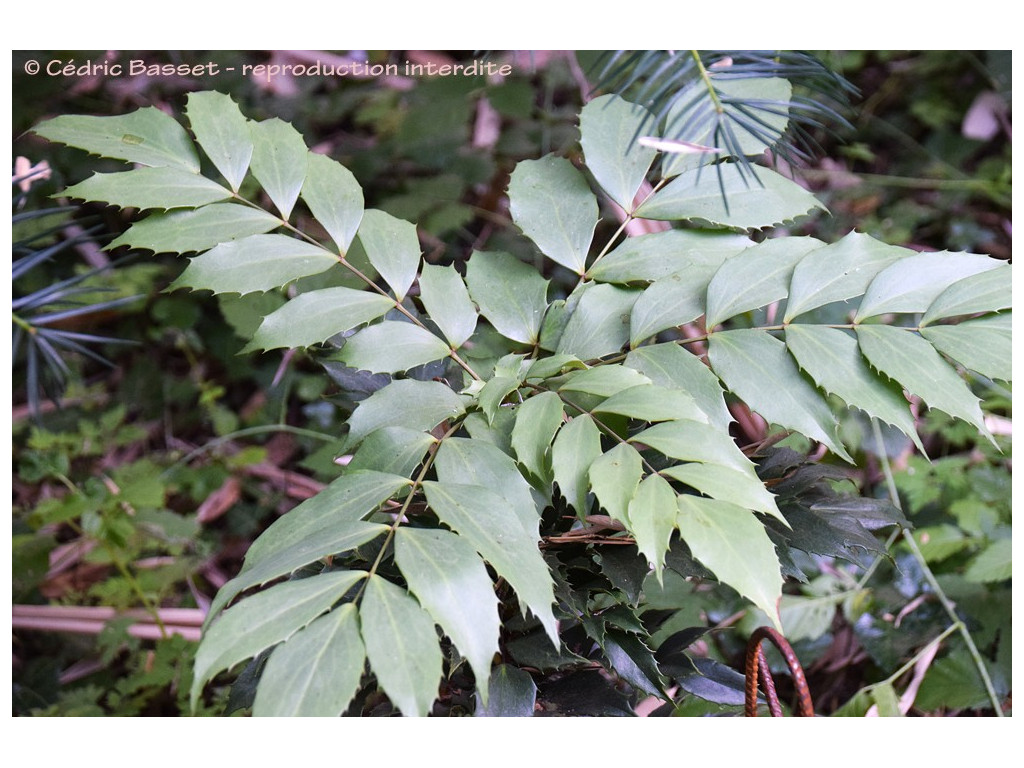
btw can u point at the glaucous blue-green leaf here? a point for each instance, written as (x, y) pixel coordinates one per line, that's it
(667, 303)
(669, 365)
(553, 365)
(600, 323)
(552, 204)
(730, 541)
(265, 619)
(447, 301)
(450, 581)
(279, 158)
(402, 646)
(394, 450)
(652, 519)
(653, 256)
(146, 136)
(603, 380)
(609, 128)
(223, 132)
(466, 461)
(334, 198)
(913, 283)
(537, 420)
(756, 367)
(693, 441)
(727, 483)
(391, 346)
(833, 359)
(650, 402)
(614, 478)
(768, 199)
(393, 247)
(510, 294)
(150, 187)
(512, 694)
(982, 345)
(315, 316)
(196, 230)
(255, 263)
(491, 526)
(913, 362)
(988, 291)
(316, 672)
(577, 445)
(410, 403)
(755, 278)
(838, 272)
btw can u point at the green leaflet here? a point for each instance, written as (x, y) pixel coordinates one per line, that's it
(832, 358)
(402, 646)
(669, 365)
(603, 380)
(447, 301)
(391, 346)
(982, 345)
(394, 450)
(650, 402)
(196, 230)
(600, 323)
(913, 283)
(838, 272)
(255, 263)
(313, 317)
(609, 128)
(694, 441)
(450, 581)
(727, 483)
(668, 303)
(334, 198)
(278, 163)
(146, 136)
(652, 519)
(755, 278)
(265, 619)
(988, 291)
(645, 258)
(493, 394)
(510, 294)
(487, 522)
(145, 188)
(914, 363)
(537, 420)
(513, 694)
(551, 203)
(393, 248)
(731, 542)
(757, 368)
(614, 478)
(223, 132)
(994, 563)
(766, 200)
(418, 405)
(316, 672)
(577, 445)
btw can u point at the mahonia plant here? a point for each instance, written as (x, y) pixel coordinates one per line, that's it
(435, 548)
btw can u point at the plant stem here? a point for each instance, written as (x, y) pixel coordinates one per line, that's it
(245, 433)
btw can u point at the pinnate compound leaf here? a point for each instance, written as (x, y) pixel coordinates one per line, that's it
(255, 263)
(146, 136)
(510, 294)
(757, 368)
(551, 203)
(731, 542)
(988, 291)
(393, 248)
(196, 230)
(600, 323)
(767, 199)
(614, 477)
(391, 346)
(652, 519)
(447, 301)
(832, 358)
(265, 619)
(490, 525)
(537, 420)
(577, 445)
(913, 362)
(669, 365)
(334, 198)
(410, 403)
(645, 258)
(402, 646)
(316, 672)
(982, 345)
(609, 128)
(223, 132)
(512, 694)
(450, 581)
(313, 317)
(278, 163)
(146, 188)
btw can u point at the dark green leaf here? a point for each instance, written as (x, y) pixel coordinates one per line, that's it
(391, 346)
(609, 127)
(510, 294)
(334, 198)
(419, 405)
(512, 694)
(223, 132)
(279, 158)
(393, 248)
(196, 230)
(145, 188)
